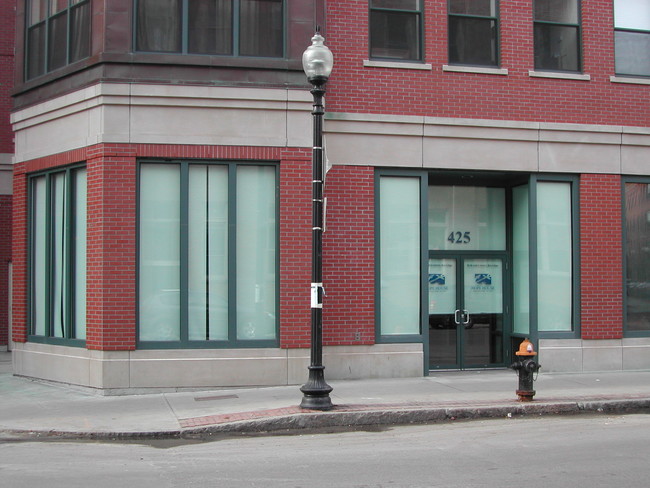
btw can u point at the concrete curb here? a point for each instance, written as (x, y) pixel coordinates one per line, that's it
(341, 419)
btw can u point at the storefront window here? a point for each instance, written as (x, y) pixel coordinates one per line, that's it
(637, 256)
(520, 260)
(58, 255)
(208, 254)
(554, 257)
(400, 258)
(467, 218)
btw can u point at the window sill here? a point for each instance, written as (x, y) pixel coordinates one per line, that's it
(559, 76)
(475, 69)
(630, 80)
(396, 64)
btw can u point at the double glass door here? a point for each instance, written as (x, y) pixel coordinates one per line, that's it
(466, 311)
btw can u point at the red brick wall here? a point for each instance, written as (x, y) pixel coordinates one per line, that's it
(517, 96)
(295, 252)
(111, 260)
(601, 256)
(19, 254)
(7, 34)
(348, 257)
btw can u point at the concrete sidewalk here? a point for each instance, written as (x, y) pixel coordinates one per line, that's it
(31, 408)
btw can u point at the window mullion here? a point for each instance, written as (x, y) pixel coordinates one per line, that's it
(184, 250)
(49, 249)
(236, 21)
(232, 252)
(68, 261)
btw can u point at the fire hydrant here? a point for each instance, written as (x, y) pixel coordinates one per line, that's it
(526, 367)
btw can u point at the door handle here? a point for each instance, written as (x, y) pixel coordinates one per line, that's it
(456, 317)
(466, 316)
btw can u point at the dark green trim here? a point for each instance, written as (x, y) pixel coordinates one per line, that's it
(233, 342)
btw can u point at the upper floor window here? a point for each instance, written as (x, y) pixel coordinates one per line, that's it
(473, 32)
(557, 35)
(223, 27)
(396, 29)
(57, 33)
(632, 37)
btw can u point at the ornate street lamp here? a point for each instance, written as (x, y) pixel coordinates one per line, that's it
(317, 61)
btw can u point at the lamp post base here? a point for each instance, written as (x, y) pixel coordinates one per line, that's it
(316, 392)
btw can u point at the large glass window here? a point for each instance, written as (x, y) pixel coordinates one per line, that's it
(637, 256)
(473, 32)
(396, 29)
(632, 34)
(58, 254)
(223, 27)
(400, 259)
(554, 257)
(57, 33)
(207, 253)
(557, 35)
(467, 218)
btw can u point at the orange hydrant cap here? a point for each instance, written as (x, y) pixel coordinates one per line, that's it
(526, 349)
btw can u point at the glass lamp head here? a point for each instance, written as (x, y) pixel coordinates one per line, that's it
(317, 61)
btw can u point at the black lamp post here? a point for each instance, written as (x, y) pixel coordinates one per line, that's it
(317, 61)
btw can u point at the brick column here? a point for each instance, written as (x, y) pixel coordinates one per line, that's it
(111, 258)
(601, 256)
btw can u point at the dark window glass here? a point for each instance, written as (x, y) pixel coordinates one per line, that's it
(557, 11)
(473, 32)
(557, 35)
(57, 40)
(159, 25)
(637, 231)
(556, 47)
(395, 29)
(80, 32)
(633, 53)
(210, 27)
(58, 33)
(483, 8)
(36, 51)
(223, 27)
(260, 28)
(632, 37)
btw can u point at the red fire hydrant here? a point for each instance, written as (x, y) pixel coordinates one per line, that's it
(526, 367)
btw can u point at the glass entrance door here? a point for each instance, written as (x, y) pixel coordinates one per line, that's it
(466, 297)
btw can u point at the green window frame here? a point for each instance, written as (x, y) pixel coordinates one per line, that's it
(636, 265)
(632, 37)
(473, 32)
(557, 35)
(57, 33)
(554, 255)
(400, 256)
(57, 256)
(254, 28)
(208, 254)
(396, 30)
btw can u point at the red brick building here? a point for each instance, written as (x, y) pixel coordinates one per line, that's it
(487, 182)
(7, 33)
